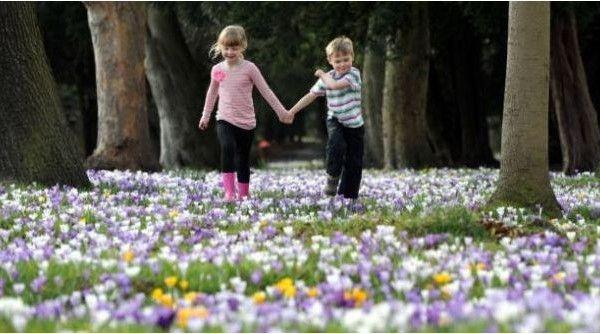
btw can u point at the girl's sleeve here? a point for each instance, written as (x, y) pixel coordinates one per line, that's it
(211, 96)
(266, 92)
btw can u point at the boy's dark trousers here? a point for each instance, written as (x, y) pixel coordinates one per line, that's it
(235, 149)
(345, 147)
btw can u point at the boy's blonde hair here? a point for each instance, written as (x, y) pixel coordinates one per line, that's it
(232, 35)
(340, 44)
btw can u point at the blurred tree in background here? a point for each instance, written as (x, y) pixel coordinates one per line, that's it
(463, 89)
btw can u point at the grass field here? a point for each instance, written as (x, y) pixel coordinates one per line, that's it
(162, 252)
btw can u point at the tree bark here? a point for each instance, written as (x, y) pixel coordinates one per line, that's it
(176, 87)
(390, 103)
(35, 143)
(118, 35)
(572, 104)
(524, 178)
(373, 80)
(411, 144)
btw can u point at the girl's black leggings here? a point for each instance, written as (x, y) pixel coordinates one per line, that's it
(235, 149)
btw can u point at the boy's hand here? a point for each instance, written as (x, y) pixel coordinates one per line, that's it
(288, 118)
(319, 73)
(203, 124)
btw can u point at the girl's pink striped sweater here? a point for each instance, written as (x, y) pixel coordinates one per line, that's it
(233, 87)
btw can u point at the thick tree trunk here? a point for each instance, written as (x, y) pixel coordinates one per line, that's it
(575, 113)
(411, 144)
(524, 178)
(118, 35)
(176, 87)
(373, 80)
(390, 104)
(35, 143)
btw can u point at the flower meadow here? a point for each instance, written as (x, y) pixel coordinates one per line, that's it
(417, 252)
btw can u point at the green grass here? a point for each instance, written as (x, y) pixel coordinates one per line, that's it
(580, 181)
(73, 277)
(457, 221)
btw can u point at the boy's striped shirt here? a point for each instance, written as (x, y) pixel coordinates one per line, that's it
(343, 104)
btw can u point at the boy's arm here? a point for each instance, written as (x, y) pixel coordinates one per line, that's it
(267, 93)
(329, 82)
(303, 102)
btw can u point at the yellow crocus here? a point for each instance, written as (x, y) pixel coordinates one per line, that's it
(167, 300)
(284, 284)
(442, 278)
(187, 313)
(359, 296)
(171, 281)
(184, 284)
(128, 256)
(156, 294)
(312, 292)
(190, 297)
(259, 297)
(289, 292)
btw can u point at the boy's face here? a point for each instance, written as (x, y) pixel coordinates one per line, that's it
(341, 62)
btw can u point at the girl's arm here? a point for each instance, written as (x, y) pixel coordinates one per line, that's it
(268, 95)
(329, 82)
(303, 102)
(209, 103)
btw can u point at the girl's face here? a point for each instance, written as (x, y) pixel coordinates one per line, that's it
(232, 53)
(341, 62)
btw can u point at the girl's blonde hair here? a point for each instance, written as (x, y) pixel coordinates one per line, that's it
(233, 35)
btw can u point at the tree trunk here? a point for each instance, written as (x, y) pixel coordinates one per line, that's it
(390, 104)
(411, 143)
(373, 80)
(118, 35)
(176, 87)
(575, 113)
(524, 178)
(35, 143)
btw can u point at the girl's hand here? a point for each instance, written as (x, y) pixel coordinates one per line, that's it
(319, 73)
(203, 124)
(288, 118)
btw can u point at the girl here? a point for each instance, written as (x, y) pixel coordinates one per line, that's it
(232, 81)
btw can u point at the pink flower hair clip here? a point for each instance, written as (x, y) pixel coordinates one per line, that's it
(219, 75)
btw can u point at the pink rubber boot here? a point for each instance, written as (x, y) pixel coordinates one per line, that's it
(229, 186)
(243, 190)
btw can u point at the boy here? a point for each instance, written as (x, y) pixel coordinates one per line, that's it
(345, 130)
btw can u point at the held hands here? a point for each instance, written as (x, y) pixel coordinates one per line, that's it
(287, 118)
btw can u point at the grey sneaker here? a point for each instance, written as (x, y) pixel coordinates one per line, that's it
(332, 184)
